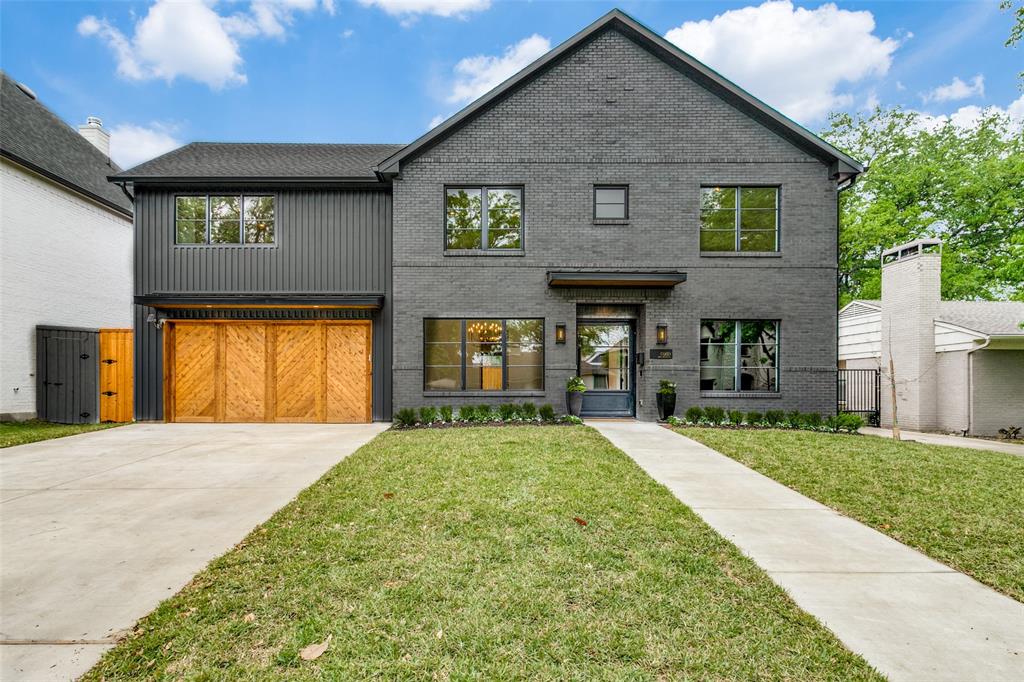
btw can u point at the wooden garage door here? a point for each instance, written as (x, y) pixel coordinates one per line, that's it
(268, 371)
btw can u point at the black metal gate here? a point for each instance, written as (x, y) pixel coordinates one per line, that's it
(859, 391)
(67, 375)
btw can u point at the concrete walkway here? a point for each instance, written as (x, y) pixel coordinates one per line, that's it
(946, 439)
(97, 529)
(910, 617)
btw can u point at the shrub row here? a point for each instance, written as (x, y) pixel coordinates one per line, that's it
(508, 413)
(776, 419)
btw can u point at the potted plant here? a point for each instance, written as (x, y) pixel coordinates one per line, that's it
(666, 399)
(574, 389)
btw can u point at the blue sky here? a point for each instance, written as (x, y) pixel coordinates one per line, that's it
(171, 71)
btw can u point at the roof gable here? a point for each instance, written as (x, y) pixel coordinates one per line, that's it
(34, 137)
(843, 166)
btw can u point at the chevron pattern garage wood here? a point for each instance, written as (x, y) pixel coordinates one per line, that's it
(317, 371)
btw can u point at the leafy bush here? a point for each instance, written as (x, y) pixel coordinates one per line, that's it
(446, 413)
(754, 418)
(694, 414)
(666, 387)
(571, 419)
(715, 415)
(528, 411)
(547, 413)
(794, 419)
(467, 413)
(508, 412)
(736, 417)
(774, 417)
(405, 417)
(812, 420)
(675, 421)
(575, 385)
(485, 413)
(428, 415)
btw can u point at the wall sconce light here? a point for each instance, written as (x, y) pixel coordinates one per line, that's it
(559, 333)
(155, 320)
(661, 334)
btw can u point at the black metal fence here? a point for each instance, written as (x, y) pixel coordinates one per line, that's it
(859, 391)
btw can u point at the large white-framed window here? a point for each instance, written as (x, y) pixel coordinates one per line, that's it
(739, 218)
(739, 355)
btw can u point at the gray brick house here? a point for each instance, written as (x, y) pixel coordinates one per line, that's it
(616, 211)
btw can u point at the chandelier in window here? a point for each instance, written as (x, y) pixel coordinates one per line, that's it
(485, 331)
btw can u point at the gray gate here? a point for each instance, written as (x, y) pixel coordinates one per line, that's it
(859, 391)
(67, 375)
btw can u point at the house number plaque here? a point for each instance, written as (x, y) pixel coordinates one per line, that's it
(661, 354)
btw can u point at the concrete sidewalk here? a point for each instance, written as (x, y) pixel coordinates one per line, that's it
(946, 439)
(909, 616)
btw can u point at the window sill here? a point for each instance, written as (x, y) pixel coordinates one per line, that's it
(484, 252)
(484, 394)
(611, 221)
(741, 254)
(741, 394)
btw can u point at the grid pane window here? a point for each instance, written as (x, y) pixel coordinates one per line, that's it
(611, 202)
(483, 218)
(739, 219)
(224, 219)
(739, 355)
(483, 354)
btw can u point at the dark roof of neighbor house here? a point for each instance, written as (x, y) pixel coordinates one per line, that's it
(36, 138)
(844, 166)
(240, 161)
(992, 318)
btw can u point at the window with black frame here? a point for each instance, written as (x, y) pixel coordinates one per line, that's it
(611, 202)
(224, 219)
(739, 355)
(483, 354)
(483, 218)
(742, 219)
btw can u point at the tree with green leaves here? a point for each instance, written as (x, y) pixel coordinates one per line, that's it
(1017, 30)
(929, 178)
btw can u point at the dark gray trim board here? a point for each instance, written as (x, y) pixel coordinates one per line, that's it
(375, 301)
(636, 278)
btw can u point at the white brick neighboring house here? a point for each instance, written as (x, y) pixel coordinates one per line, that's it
(959, 365)
(65, 237)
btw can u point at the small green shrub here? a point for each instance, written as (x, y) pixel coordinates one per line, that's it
(547, 413)
(774, 417)
(846, 422)
(666, 387)
(571, 419)
(405, 417)
(528, 411)
(507, 412)
(812, 420)
(735, 417)
(754, 418)
(794, 420)
(715, 415)
(675, 421)
(467, 413)
(575, 385)
(485, 413)
(694, 414)
(428, 415)
(446, 413)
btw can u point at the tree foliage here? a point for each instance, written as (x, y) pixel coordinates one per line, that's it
(964, 185)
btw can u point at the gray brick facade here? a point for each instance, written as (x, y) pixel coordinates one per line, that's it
(612, 112)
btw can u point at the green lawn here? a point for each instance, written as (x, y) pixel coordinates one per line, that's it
(19, 433)
(962, 507)
(456, 553)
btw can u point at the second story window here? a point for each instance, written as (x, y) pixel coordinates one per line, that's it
(611, 202)
(739, 219)
(483, 218)
(224, 219)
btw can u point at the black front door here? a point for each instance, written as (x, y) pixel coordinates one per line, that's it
(604, 360)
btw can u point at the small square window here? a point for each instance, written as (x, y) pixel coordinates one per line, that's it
(611, 202)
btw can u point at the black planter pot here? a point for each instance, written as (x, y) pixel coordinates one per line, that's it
(574, 402)
(666, 405)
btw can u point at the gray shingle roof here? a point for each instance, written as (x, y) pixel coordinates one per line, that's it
(987, 317)
(264, 161)
(33, 136)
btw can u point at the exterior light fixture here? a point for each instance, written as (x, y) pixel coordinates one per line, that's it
(560, 333)
(661, 335)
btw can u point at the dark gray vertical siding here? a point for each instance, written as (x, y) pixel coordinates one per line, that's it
(328, 241)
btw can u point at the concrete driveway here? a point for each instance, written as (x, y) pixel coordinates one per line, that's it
(97, 529)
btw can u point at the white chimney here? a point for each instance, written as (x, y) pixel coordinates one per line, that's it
(94, 132)
(911, 291)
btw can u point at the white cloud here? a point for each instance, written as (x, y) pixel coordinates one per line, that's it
(476, 75)
(189, 39)
(968, 116)
(347, 33)
(957, 89)
(440, 8)
(793, 58)
(131, 144)
(437, 120)
(872, 102)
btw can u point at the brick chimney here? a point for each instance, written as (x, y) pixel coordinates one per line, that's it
(911, 289)
(94, 131)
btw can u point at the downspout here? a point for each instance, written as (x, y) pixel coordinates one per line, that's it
(970, 383)
(124, 189)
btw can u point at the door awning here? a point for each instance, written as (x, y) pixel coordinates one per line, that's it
(648, 279)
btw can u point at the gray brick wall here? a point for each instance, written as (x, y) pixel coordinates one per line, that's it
(613, 113)
(998, 399)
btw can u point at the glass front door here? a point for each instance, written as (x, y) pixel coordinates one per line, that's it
(604, 361)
